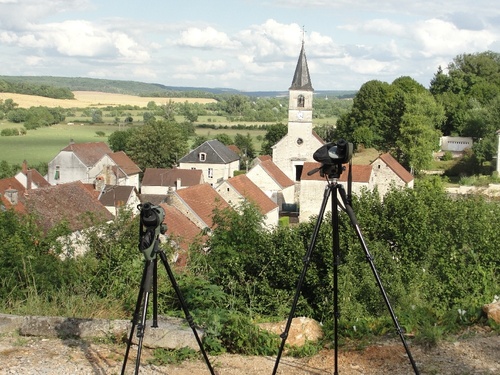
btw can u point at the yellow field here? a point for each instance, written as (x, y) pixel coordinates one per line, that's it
(84, 99)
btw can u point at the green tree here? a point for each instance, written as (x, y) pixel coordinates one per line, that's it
(245, 144)
(158, 144)
(273, 134)
(418, 135)
(118, 140)
(224, 138)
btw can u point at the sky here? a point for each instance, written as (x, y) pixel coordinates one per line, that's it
(248, 45)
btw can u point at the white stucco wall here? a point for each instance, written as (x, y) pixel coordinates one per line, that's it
(70, 169)
(220, 171)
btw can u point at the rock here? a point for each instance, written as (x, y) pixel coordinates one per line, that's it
(171, 333)
(492, 310)
(301, 330)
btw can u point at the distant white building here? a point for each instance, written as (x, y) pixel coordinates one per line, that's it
(455, 145)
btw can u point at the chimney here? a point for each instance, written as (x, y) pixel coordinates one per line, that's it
(12, 196)
(178, 184)
(29, 179)
(24, 167)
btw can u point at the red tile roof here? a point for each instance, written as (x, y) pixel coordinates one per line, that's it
(396, 167)
(71, 202)
(89, 153)
(360, 173)
(168, 177)
(125, 163)
(243, 185)
(179, 227)
(202, 199)
(276, 173)
(12, 183)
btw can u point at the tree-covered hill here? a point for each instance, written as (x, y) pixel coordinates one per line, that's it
(145, 89)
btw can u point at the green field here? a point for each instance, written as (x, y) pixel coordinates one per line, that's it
(42, 144)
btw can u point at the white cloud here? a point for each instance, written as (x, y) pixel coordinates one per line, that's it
(206, 38)
(437, 38)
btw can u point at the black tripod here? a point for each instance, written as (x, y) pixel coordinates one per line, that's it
(151, 226)
(332, 171)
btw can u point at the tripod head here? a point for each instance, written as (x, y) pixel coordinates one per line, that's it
(150, 227)
(332, 156)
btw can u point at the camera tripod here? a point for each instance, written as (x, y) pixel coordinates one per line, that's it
(152, 220)
(333, 189)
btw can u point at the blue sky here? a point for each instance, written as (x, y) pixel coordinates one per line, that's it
(248, 45)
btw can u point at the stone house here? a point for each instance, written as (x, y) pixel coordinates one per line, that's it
(240, 188)
(216, 160)
(116, 197)
(273, 182)
(116, 168)
(387, 172)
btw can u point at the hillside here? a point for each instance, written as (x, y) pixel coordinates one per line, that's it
(85, 99)
(151, 89)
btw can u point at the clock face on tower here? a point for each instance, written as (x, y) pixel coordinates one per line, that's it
(300, 115)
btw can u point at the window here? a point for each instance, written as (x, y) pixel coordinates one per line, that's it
(300, 101)
(202, 156)
(210, 173)
(57, 175)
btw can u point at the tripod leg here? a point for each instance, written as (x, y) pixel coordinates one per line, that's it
(307, 259)
(189, 318)
(354, 222)
(135, 317)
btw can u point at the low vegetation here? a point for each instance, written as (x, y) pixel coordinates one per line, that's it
(436, 256)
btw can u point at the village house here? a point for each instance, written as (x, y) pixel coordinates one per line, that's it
(388, 173)
(116, 168)
(198, 203)
(158, 181)
(240, 189)
(216, 160)
(71, 203)
(92, 162)
(12, 194)
(116, 198)
(30, 178)
(273, 182)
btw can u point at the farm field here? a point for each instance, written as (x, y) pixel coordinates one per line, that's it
(43, 144)
(85, 99)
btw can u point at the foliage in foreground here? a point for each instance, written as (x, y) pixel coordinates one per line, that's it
(436, 257)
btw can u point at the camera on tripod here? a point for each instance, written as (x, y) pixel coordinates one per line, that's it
(332, 156)
(150, 228)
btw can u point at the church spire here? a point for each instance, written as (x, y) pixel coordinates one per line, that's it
(301, 79)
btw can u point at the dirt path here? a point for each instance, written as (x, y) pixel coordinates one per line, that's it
(471, 353)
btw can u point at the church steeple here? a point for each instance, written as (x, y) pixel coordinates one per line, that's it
(301, 79)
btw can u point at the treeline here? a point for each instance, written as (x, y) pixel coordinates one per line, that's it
(26, 88)
(406, 119)
(436, 257)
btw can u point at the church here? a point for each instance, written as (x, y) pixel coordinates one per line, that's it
(284, 176)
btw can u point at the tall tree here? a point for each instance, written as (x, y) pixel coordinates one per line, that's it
(273, 135)
(158, 144)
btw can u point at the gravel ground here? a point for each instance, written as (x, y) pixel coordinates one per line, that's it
(473, 352)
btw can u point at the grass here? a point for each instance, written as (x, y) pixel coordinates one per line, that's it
(43, 144)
